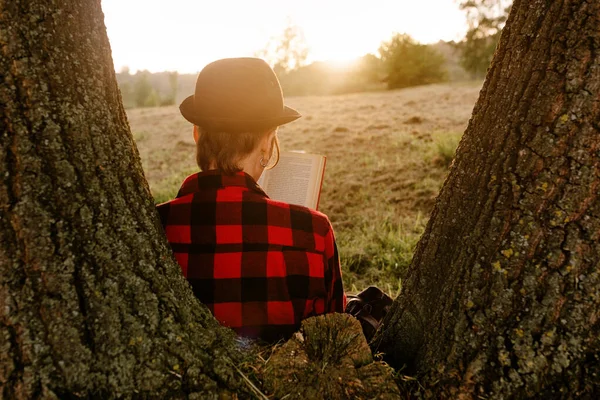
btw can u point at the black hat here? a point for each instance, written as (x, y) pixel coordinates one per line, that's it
(237, 95)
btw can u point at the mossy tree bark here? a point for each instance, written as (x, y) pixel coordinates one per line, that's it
(503, 295)
(92, 303)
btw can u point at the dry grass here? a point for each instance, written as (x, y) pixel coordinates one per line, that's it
(387, 156)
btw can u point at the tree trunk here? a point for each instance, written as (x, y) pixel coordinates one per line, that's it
(92, 303)
(502, 298)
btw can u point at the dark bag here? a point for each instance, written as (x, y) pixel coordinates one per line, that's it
(369, 307)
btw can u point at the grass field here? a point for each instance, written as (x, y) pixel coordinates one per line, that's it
(387, 156)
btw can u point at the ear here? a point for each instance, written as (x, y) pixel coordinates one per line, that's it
(196, 133)
(266, 144)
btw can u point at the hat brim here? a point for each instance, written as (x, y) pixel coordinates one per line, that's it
(233, 125)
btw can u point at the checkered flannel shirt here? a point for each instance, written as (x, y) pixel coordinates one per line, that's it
(261, 266)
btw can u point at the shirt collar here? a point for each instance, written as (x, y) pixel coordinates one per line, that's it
(214, 179)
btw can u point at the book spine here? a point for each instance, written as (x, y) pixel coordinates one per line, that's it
(321, 183)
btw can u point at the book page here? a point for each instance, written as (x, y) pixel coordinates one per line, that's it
(296, 179)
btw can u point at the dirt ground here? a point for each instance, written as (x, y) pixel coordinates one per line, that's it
(387, 156)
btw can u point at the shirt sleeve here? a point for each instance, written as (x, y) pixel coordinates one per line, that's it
(336, 298)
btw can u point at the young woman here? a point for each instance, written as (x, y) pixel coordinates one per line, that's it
(261, 266)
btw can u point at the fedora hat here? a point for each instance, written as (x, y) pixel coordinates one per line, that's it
(237, 95)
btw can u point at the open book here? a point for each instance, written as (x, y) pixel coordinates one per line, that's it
(296, 179)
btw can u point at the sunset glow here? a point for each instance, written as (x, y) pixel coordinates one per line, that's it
(185, 35)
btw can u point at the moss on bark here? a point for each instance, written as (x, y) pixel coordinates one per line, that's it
(328, 359)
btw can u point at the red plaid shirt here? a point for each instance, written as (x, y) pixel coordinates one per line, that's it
(261, 266)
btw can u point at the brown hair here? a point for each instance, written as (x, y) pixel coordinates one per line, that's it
(227, 149)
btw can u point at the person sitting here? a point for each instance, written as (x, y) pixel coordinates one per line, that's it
(261, 266)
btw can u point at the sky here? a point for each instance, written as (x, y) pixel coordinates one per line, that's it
(185, 35)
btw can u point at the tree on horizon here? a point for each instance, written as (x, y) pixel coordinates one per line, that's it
(286, 52)
(485, 20)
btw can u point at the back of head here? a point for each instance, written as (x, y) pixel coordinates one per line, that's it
(225, 150)
(237, 101)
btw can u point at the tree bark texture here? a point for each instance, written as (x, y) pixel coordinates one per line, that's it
(92, 302)
(503, 295)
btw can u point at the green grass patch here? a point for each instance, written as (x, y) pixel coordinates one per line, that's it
(166, 189)
(139, 136)
(444, 146)
(378, 252)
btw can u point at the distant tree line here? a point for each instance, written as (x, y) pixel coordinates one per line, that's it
(146, 89)
(400, 62)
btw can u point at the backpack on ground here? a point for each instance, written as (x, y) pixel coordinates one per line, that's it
(369, 307)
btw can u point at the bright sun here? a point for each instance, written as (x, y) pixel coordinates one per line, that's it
(185, 35)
